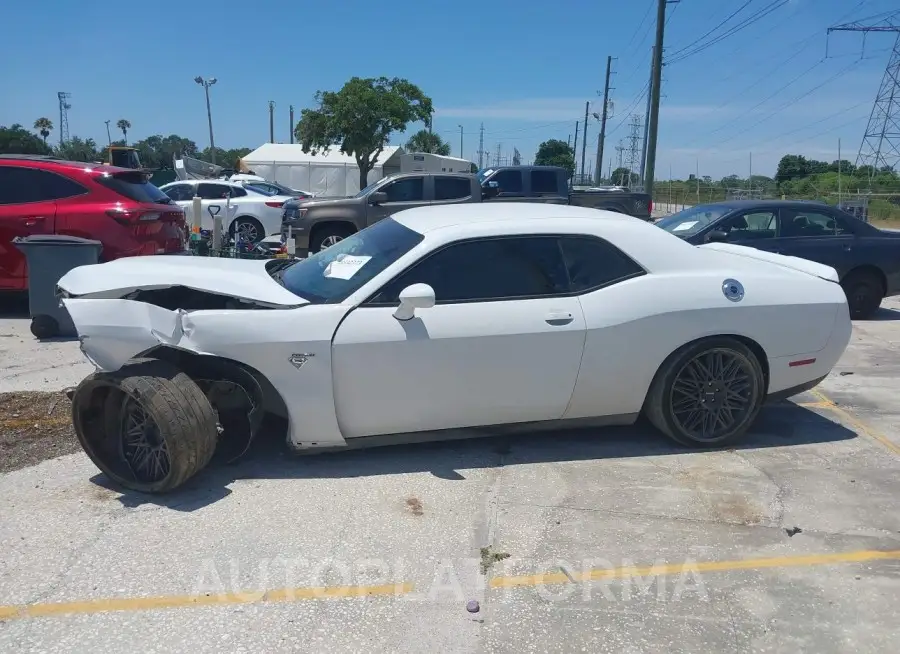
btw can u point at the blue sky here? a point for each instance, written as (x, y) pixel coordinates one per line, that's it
(522, 68)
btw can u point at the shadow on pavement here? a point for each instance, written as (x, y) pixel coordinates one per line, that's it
(780, 425)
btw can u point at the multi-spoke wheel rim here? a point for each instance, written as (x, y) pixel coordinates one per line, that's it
(712, 394)
(143, 447)
(328, 241)
(248, 232)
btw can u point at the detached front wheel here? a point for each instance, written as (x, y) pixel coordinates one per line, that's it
(147, 426)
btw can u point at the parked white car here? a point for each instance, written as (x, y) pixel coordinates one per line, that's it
(254, 214)
(271, 188)
(441, 322)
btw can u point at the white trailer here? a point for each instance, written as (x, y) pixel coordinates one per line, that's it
(414, 162)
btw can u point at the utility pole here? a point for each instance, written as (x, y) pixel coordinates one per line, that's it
(271, 121)
(575, 149)
(602, 136)
(108, 137)
(499, 145)
(206, 83)
(587, 108)
(647, 122)
(481, 147)
(292, 122)
(653, 130)
(430, 121)
(460, 141)
(620, 149)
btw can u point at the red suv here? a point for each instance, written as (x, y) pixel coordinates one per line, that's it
(116, 206)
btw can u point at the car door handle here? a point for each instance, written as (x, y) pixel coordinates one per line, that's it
(559, 318)
(31, 222)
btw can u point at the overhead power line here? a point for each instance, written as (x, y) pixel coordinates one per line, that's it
(700, 38)
(747, 22)
(790, 103)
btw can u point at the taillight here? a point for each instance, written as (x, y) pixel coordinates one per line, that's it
(131, 216)
(274, 205)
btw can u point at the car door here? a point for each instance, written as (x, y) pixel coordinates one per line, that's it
(27, 207)
(502, 344)
(403, 193)
(817, 235)
(221, 195)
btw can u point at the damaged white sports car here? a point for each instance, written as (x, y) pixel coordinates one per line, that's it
(443, 322)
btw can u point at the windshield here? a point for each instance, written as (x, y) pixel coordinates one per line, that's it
(483, 174)
(369, 188)
(690, 221)
(332, 275)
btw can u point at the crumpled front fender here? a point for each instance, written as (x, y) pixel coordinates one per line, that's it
(113, 331)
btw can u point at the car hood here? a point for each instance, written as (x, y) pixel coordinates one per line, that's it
(238, 278)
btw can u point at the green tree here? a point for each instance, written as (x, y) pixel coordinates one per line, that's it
(124, 125)
(225, 158)
(15, 139)
(425, 141)
(361, 117)
(624, 177)
(556, 153)
(44, 127)
(78, 149)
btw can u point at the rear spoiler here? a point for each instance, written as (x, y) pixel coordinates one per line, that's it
(794, 263)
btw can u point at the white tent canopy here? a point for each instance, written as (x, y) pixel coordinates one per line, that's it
(327, 173)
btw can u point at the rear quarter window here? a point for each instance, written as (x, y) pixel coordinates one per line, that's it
(134, 186)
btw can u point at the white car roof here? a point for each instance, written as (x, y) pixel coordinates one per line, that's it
(653, 247)
(194, 182)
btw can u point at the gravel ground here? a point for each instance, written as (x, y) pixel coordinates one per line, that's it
(34, 426)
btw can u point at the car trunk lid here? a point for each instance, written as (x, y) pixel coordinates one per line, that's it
(794, 263)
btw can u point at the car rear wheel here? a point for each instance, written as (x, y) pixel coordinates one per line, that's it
(708, 393)
(864, 293)
(147, 426)
(250, 229)
(327, 236)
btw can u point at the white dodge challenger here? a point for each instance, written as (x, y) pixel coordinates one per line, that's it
(443, 322)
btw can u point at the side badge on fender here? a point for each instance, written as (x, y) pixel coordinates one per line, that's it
(733, 290)
(297, 360)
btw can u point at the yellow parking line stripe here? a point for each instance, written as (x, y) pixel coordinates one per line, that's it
(182, 601)
(858, 424)
(701, 566)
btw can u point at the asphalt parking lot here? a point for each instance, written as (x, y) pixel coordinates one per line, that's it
(599, 541)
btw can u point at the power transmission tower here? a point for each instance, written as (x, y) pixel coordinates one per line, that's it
(517, 158)
(880, 147)
(64, 107)
(481, 147)
(634, 144)
(601, 137)
(499, 146)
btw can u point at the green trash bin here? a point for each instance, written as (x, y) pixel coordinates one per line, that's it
(48, 258)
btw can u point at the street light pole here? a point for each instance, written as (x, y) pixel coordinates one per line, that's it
(108, 136)
(206, 83)
(460, 141)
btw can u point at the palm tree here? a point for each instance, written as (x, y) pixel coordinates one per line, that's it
(43, 126)
(124, 125)
(425, 141)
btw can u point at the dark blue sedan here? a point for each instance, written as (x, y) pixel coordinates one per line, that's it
(866, 258)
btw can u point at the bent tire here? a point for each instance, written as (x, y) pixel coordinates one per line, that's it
(147, 426)
(707, 394)
(864, 293)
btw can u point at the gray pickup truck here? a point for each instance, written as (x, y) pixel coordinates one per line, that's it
(320, 223)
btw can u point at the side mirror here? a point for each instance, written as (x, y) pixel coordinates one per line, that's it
(416, 296)
(378, 197)
(214, 209)
(490, 190)
(716, 236)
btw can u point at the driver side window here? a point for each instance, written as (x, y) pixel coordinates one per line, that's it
(749, 226)
(410, 189)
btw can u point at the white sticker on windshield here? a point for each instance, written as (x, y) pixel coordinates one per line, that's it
(345, 267)
(684, 226)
